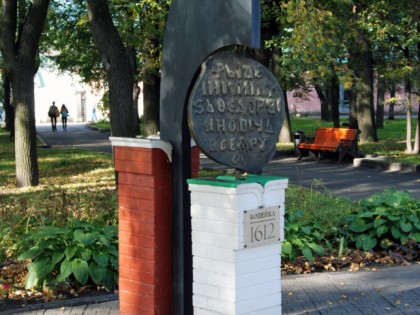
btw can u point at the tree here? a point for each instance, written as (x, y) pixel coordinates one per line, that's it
(118, 69)
(394, 30)
(140, 26)
(21, 27)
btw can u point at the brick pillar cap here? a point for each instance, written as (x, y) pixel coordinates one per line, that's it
(148, 143)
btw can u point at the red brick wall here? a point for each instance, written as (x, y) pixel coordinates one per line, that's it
(195, 161)
(145, 260)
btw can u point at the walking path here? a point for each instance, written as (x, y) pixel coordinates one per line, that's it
(393, 290)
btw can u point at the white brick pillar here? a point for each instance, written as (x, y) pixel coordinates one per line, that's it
(236, 265)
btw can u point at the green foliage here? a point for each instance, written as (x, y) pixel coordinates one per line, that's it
(384, 219)
(79, 252)
(316, 221)
(73, 183)
(311, 221)
(301, 239)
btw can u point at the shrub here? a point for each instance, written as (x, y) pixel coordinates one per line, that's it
(384, 219)
(301, 239)
(77, 252)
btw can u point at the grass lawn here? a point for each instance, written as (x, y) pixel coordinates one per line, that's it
(80, 184)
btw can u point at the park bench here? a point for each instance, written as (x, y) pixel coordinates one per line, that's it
(340, 140)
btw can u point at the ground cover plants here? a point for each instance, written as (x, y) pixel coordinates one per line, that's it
(59, 238)
(75, 203)
(326, 233)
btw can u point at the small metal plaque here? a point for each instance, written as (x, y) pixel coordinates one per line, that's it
(261, 226)
(235, 111)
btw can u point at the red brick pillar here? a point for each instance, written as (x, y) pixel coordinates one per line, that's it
(144, 192)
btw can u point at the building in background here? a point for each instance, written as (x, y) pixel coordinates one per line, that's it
(79, 98)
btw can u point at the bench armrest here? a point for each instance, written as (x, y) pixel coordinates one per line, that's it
(347, 143)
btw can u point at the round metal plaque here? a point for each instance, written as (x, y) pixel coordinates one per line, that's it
(235, 111)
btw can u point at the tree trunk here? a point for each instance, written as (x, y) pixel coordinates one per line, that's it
(391, 114)
(323, 100)
(408, 142)
(353, 123)
(136, 88)
(8, 109)
(334, 99)
(286, 129)
(19, 45)
(151, 88)
(380, 99)
(362, 65)
(25, 131)
(117, 66)
(416, 148)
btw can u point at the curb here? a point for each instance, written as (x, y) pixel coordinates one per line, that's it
(97, 129)
(63, 303)
(381, 164)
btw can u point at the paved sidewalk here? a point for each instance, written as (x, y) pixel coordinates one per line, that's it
(393, 290)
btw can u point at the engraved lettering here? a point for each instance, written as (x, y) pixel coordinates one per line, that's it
(221, 125)
(236, 111)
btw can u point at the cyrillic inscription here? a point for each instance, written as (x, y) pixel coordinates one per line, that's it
(261, 226)
(236, 111)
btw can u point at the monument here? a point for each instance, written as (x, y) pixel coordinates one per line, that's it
(170, 259)
(194, 30)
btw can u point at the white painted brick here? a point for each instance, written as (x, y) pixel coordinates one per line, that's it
(276, 310)
(206, 264)
(232, 256)
(200, 311)
(203, 276)
(258, 291)
(264, 263)
(274, 192)
(205, 290)
(260, 305)
(200, 301)
(225, 281)
(257, 252)
(222, 307)
(225, 228)
(282, 211)
(242, 197)
(199, 250)
(258, 278)
(216, 214)
(214, 278)
(215, 253)
(230, 279)
(215, 240)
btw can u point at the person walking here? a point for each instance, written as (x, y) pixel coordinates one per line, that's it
(64, 113)
(94, 118)
(53, 113)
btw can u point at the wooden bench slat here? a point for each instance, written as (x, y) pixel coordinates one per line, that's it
(343, 140)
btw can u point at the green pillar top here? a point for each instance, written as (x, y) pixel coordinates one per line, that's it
(231, 181)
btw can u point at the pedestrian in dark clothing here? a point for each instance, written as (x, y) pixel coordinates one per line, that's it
(53, 112)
